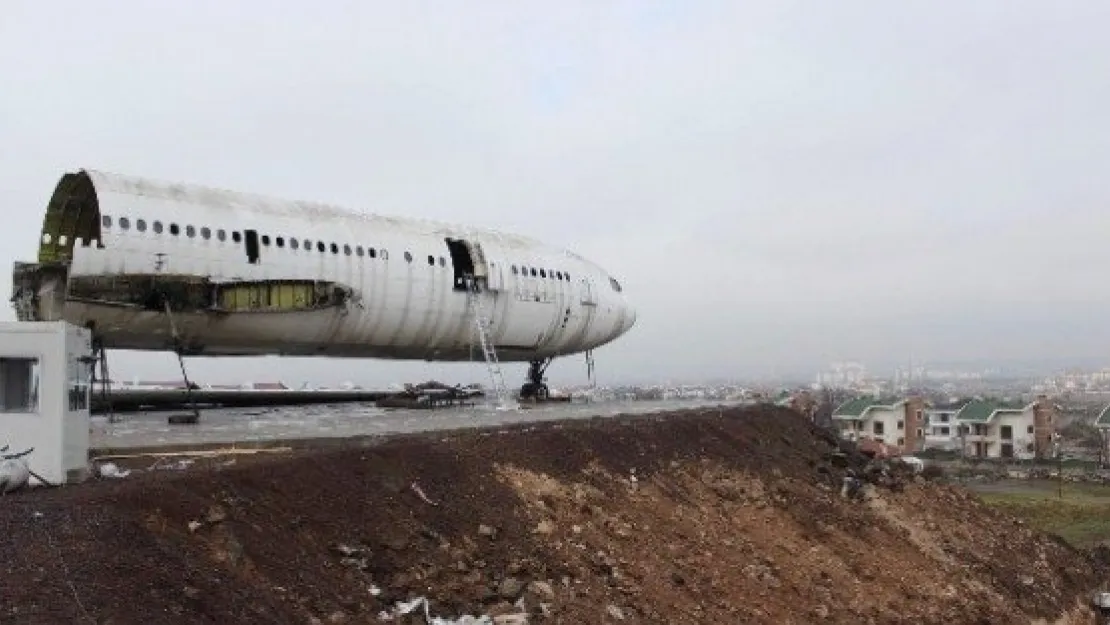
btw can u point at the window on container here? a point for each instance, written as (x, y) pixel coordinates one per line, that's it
(19, 384)
(175, 230)
(190, 231)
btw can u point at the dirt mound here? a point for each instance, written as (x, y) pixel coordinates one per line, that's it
(710, 516)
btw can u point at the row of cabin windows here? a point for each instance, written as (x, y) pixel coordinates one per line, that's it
(265, 239)
(543, 273)
(358, 250)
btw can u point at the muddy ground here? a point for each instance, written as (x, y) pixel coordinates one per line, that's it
(707, 516)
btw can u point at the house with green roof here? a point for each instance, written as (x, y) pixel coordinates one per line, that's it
(1001, 429)
(893, 421)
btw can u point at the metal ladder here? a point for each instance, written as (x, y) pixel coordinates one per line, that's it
(482, 323)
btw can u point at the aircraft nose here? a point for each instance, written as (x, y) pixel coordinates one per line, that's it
(629, 317)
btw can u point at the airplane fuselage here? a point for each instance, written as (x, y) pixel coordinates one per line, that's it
(227, 273)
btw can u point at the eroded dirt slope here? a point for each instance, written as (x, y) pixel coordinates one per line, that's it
(710, 516)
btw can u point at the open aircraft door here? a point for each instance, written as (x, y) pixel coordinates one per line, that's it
(478, 259)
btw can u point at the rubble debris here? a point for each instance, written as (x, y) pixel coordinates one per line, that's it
(734, 515)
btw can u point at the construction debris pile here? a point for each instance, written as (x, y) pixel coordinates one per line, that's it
(711, 516)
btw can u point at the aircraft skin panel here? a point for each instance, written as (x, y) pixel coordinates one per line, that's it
(380, 287)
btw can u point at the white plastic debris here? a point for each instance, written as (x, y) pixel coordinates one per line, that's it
(407, 607)
(14, 474)
(111, 470)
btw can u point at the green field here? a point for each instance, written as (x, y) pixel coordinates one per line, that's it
(1081, 516)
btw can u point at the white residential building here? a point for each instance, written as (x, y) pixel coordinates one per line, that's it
(990, 429)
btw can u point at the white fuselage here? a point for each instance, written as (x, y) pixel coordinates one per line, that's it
(405, 301)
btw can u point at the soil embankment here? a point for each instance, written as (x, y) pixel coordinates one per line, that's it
(707, 516)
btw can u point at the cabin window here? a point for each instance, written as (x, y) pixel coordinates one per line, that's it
(157, 227)
(359, 251)
(124, 223)
(294, 243)
(308, 245)
(174, 229)
(190, 231)
(384, 254)
(236, 236)
(140, 225)
(266, 239)
(346, 250)
(568, 276)
(532, 270)
(106, 221)
(320, 247)
(442, 261)
(206, 233)
(279, 241)
(514, 269)
(372, 252)
(431, 260)
(408, 257)
(253, 253)
(221, 235)
(334, 248)
(616, 285)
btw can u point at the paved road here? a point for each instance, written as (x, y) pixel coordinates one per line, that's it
(266, 424)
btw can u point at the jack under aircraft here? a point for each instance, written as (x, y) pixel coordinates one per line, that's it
(148, 265)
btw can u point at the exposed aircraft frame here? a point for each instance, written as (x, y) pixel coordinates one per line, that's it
(150, 265)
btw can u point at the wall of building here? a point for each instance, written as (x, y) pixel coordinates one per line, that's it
(1044, 426)
(35, 408)
(942, 431)
(1008, 435)
(914, 424)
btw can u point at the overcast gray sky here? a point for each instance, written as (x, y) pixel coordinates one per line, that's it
(778, 184)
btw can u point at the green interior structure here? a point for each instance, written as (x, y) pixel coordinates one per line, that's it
(73, 213)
